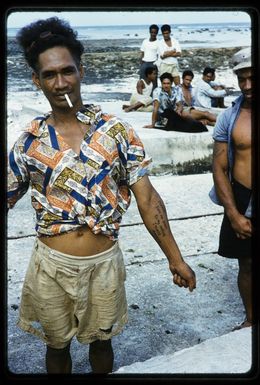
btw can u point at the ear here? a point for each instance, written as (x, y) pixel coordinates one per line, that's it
(36, 80)
(81, 71)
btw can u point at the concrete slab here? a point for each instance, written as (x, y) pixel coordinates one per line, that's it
(170, 150)
(229, 354)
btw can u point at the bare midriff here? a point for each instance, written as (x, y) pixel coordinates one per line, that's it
(81, 242)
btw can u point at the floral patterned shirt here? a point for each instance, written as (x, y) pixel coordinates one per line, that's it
(70, 190)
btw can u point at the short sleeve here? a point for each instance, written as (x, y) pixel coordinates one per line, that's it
(177, 46)
(137, 160)
(18, 176)
(142, 46)
(220, 133)
(156, 94)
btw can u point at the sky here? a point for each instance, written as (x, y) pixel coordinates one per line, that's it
(20, 19)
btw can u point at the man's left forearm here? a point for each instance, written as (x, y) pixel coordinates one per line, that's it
(156, 221)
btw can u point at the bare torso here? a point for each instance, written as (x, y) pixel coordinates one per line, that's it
(242, 138)
(81, 242)
(187, 96)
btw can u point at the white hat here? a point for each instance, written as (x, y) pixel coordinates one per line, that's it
(242, 59)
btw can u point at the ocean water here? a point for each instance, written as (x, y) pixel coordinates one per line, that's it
(189, 35)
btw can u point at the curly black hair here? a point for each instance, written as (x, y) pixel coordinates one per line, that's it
(41, 35)
(166, 75)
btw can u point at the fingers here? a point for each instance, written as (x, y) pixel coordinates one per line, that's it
(178, 280)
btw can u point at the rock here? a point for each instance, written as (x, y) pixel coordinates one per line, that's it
(120, 58)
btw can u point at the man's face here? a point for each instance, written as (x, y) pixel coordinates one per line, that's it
(245, 82)
(187, 80)
(58, 74)
(208, 77)
(166, 35)
(166, 85)
(153, 34)
(152, 76)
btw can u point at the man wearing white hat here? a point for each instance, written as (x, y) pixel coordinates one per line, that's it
(232, 158)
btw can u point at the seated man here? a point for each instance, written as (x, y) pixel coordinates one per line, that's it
(217, 102)
(168, 108)
(187, 93)
(141, 99)
(204, 92)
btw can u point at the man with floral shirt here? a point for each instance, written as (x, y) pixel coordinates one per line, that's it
(81, 165)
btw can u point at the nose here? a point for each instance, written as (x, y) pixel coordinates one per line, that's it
(60, 82)
(248, 84)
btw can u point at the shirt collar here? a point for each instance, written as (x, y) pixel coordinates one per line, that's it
(88, 114)
(238, 100)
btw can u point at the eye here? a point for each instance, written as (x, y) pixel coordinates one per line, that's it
(48, 75)
(69, 71)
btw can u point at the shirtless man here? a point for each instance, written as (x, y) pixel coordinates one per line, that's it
(81, 165)
(232, 179)
(205, 117)
(168, 109)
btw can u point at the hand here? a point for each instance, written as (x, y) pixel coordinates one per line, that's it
(179, 111)
(183, 276)
(242, 226)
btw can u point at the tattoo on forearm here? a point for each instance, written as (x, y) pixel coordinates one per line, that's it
(160, 224)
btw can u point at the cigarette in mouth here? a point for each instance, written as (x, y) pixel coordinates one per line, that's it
(68, 100)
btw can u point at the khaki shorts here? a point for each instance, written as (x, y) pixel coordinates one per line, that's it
(65, 295)
(170, 68)
(145, 100)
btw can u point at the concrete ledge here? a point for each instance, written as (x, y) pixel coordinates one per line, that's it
(228, 354)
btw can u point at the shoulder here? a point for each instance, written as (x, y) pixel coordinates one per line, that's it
(114, 126)
(157, 92)
(32, 129)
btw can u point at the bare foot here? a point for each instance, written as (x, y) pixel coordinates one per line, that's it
(127, 109)
(243, 325)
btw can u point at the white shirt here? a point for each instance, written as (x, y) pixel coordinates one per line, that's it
(164, 47)
(204, 92)
(150, 50)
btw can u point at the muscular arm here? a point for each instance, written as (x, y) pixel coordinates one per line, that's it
(241, 225)
(140, 87)
(153, 213)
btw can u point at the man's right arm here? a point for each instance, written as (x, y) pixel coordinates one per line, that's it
(240, 224)
(156, 105)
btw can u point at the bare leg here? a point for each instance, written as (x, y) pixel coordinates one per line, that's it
(245, 287)
(101, 356)
(133, 107)
(58, 360)
(197, 114)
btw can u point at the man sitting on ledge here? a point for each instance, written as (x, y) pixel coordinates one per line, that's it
(141, 99)
(168, 109)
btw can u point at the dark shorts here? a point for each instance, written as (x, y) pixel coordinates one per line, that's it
(175, 122)
(229, 245)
